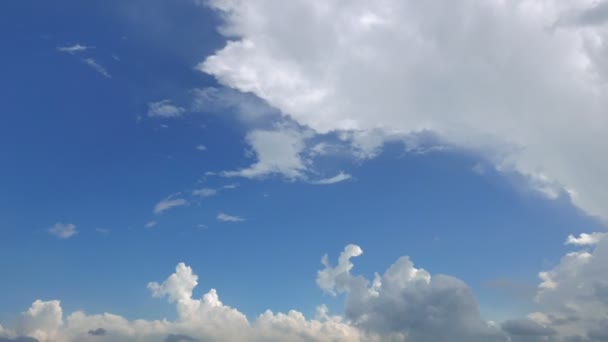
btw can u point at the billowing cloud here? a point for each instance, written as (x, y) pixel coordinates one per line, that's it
(63, 230)
(585, 239)
(404, 303)
(164, 109)
(521, 82)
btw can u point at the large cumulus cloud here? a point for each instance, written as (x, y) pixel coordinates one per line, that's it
(523, 82)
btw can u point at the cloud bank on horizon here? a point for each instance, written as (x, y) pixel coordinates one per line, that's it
(404, 303)
(521, 82)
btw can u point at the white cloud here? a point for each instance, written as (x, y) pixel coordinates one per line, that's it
(150, 224)
(340, 177)
(63, 231)
(277, 151)
(231, 186)
(572, 298)
(229, 218)
(404, 303)
(204, 192)
(164, 109)
(74, 48)
(201, 148)
(102, 230)
(168, 203)
(585, 239)
(517, 81)
(97, 67)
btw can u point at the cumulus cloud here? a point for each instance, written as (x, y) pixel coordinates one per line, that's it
(164, 109)
(404, 303)
(573, 296)
(229, 218)
(340, 177)
(519, 82)
(278, 151)
(63, 230)
(168, 203)
(585, 239)
(97, 67)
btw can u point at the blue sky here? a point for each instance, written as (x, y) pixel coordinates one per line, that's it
(109, 112)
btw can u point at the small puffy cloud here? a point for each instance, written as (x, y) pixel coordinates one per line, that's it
(340, 177)
(150, 224)
(201, 148)
(63, 231)
(164, 109)
(168, 203)
(229, 218)
(97, 67)
(585, 239)
(204, 192)
(277, 151)
(74, 48)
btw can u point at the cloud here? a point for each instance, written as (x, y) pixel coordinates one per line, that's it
(63, 231)
(392, 68)
(340, 177)
(572, 297)
(169, 203)
(231, 186)
(97, 67)
(404, 303)
(150, 224)
(201, 148)
(179, 338)
(585, 239)
(204, 192)
(229, 218)
(74, 48)
(248, 107)
(102, 230)
(164, 109)
(278, 151)
(97, 332)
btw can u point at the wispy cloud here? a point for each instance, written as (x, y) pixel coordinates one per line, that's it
(74, 48)
(229, 218)
(169, 203)
(63, 231)
(102, 230)
(97, 67)
(231, 186)
(164, 109)
(340, 177)
(201, 148)
(204, 192)
(150, 224)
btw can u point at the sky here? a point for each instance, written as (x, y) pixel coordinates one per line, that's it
(264, 170)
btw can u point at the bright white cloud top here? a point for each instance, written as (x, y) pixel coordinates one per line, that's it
(404, 303)
(523, 82)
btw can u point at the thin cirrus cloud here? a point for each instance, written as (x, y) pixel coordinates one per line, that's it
(467, 84)
(169, 203)
(229, 218)
(72, 49)
(403, 303)
(63, 230)
(204, 192)
(340, 177)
